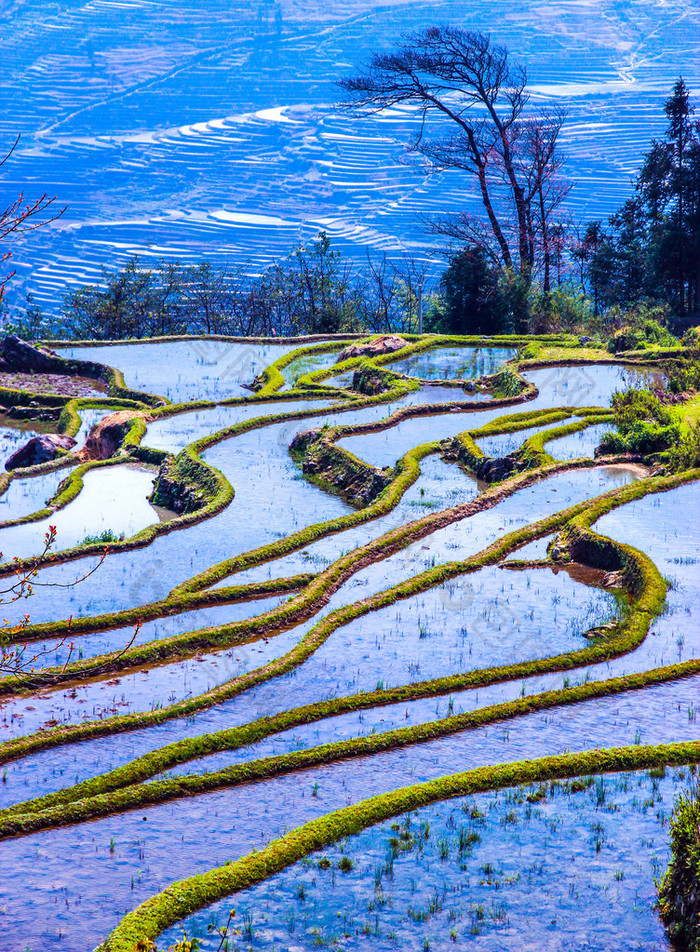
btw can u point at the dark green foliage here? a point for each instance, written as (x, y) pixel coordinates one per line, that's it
(691, 338)
(684, 376)
(640, 333)
(685, 453)
(641, 438)
(30, 322)
(679, 890)
(652, 248)
(631, 406)
(469, 288)
(643, 424)
(106, 536)
(480, 298)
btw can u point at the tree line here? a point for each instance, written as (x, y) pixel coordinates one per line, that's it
(522, 263)
(313, 291)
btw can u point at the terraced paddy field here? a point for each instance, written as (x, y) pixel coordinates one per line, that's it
(211, 132)
(327, 677)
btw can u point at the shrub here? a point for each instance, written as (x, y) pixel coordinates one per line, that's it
(650, 334)
(685, 452)
(642, 438)
(642, 424)
(691, 338)
(638, 328)
(684, 376)
(679, 890)
(559, 310)
(631, 406)
(106, 536)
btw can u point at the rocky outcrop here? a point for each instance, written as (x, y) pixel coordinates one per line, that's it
(355, 480)
(107, 436)
(184, 484)
(386, 344)
(486, 468)
(369, 381)
(18, 354)
(494, 470)
(40, 449)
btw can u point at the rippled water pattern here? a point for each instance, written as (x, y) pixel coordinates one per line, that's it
(493, 870)
(125, 108)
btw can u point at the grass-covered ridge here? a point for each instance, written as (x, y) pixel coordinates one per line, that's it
(197, 490)
(179, 900)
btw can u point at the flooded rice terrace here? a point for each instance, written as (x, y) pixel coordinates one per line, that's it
(311, 700)
(125, 108)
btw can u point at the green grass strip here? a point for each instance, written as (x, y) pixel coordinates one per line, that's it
(164, 608)
(635, 629)
(314, 595)
(533, 451)
(124, 789)
(185, 897)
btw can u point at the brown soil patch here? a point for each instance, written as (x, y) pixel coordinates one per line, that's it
(59, 384)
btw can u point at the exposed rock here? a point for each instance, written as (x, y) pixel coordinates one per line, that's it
(495, 470)
(614, 580)
(386, 344)
(107, 435)
(354, 479)
(485, 468)
(369, 383)
(40, 449)
(183, 485)
(19, 355)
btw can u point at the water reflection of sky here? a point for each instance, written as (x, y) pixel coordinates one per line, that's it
(174, 130)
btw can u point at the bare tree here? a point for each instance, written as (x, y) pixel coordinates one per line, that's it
(414, 274)
(21, 216)
(378, 296)
(470, 83)
(540, 165)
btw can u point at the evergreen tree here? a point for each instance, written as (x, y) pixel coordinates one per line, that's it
(653, 248)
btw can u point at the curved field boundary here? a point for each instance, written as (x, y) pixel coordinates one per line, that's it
(67, 491)
(181, 899)
(312, 598)
(649, 602)
(132, 786)
(533, 449)
(161, 609)
(223, 492)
